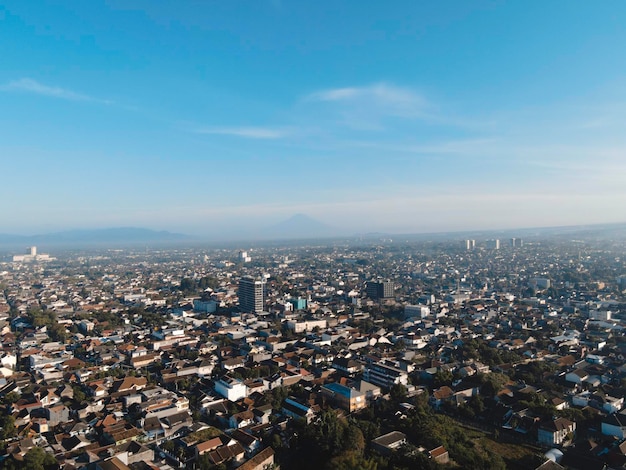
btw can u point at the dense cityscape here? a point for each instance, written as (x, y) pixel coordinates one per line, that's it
(312, 235)
(374, 353)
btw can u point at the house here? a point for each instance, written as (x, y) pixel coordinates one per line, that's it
(241, 420)
(582, 376)
(225, 453)
(261, 461)
(134, 452)
(97, 389)
(441, 395)
(262, 414)
(114, 463)
(614, 425)
(207, 446)
(130, 384)
(389, 442)
(577, 376)
(293, 408)
(234, 363)
(72, 443)
(555, 432)
(559, 403)
(153, 428)
(250, 443)
(57, 414)
(439, 455)
(121, 435)
(145, 360)
(8, 360)
(612, 404)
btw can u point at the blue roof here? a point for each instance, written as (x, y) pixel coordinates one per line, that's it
(340, 389)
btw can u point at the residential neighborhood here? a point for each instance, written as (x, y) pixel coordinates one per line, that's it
(368, 354)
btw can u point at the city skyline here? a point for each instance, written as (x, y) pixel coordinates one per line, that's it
(406, 118)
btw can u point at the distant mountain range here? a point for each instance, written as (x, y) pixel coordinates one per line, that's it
(130, 235)
(298, 226)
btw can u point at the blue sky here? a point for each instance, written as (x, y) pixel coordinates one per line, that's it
(211, 117)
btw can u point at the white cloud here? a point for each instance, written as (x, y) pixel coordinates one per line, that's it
(246, 132)
(28, 85)
(381, 97)
(335, 94)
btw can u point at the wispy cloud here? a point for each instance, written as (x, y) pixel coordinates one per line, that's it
(245, 132)
(470, 147)
(28, 85)
(335, 94)
(385, 98)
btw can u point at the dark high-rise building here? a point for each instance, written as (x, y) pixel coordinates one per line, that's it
(251, 294)
(380, 289)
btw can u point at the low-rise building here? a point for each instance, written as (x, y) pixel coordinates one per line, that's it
(231, 388)
(345, 397)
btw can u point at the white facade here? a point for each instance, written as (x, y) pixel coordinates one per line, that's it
(420, 311)
(384, 375)
(31, 255)
(8, 360)
(232, 389)
(300, 326)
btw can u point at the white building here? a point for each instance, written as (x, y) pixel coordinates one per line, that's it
(420, 311)
(8, 360)
(384, 375)
(556, 431)
(230, 388)
(308, 325)
(31, 255)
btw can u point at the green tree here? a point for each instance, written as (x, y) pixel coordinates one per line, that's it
(277, 442)
(353, 439)
(350, 460)
(37, 459)
(7, 422)
(443, 377)
(79, 395)
(492, 383)
(398, 392)
(10, 398)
